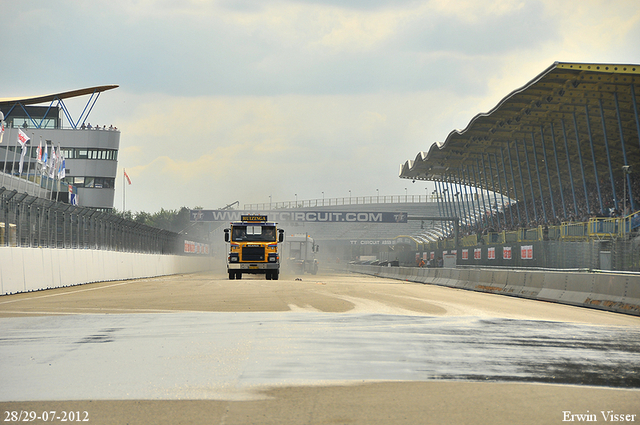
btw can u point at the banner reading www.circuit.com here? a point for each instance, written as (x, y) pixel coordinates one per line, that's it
(303, 216)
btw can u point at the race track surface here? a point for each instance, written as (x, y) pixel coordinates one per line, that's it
(330, 348)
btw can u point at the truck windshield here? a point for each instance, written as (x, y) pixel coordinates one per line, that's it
(254, 234)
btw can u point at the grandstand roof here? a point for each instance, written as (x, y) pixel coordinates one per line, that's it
(540, 120)
(34, 100)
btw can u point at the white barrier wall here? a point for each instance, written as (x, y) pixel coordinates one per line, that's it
(606, 291)
(31, 269)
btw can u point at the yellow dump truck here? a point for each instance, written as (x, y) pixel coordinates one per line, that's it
(253, 247)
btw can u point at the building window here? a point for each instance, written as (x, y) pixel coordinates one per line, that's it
(91, 182)
(100, 154)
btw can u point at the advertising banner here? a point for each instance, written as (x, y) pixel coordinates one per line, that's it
(302, 216)
(191, 247)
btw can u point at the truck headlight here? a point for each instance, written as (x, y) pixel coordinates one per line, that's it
(234, 258)
(273, 258)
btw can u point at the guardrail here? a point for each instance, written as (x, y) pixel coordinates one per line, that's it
(606, 291)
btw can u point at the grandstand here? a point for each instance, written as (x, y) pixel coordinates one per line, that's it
(565, 148)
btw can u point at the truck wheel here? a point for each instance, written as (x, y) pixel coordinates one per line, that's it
(238, 275)
(274, 276)
(268, 275)
(232, 275)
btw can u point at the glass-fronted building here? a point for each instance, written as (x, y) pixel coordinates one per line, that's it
(90, 151)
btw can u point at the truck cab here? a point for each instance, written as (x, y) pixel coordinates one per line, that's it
(253, 247)
(301, 252)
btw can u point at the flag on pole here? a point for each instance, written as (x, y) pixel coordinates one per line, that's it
(73, 197)
(53, 162)
(61, 170)
(1, 126)
(45, 156)
(39, 156)
(126, 176)
(22, 153)
(22, 137)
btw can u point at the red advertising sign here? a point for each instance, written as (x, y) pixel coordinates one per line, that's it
(491, 253)
(526, 252)
(506, 253)
(465, 254)
(477, 254)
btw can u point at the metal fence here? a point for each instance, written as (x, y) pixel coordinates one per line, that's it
(344, 201)
(30, 221)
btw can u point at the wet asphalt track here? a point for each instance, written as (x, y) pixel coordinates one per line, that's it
(224, 356)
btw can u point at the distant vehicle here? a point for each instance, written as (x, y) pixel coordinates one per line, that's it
(253, 247)
(301, 252)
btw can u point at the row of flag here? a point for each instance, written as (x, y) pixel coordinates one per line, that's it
(54, 164)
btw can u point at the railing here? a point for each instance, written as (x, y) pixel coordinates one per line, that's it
(351, 200)
(493, 238)
(528, 235)
(49, 124)
(553, 233)
(606, 228)
(574, 231)
(510, 237)
(471, 240)
(595, 228)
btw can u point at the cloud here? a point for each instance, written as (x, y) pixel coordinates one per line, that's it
(212, 149)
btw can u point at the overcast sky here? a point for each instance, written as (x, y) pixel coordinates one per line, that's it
(222, 100)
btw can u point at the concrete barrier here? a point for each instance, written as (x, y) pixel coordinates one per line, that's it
(32, 269)
(606, 291)
(615, 294)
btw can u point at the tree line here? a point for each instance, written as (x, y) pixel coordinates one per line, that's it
(177, 220)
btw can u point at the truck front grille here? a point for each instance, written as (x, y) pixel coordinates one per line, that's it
(253, 253)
